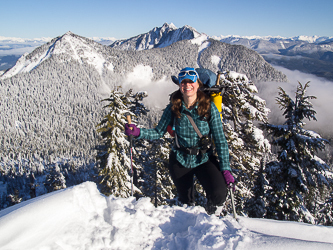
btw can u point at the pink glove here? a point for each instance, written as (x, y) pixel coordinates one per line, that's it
(229, 179)
(131, 129)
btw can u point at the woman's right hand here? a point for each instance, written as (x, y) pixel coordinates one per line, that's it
(131, 129)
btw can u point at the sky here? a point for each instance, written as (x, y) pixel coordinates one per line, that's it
(80, 217)
(128, 18)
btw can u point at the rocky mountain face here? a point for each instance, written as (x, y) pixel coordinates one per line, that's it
(159, 37)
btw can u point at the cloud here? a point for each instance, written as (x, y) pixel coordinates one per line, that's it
(319, 87)
(15, 51)
(140, 79)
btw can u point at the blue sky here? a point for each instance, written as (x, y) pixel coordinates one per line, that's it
(128, 18)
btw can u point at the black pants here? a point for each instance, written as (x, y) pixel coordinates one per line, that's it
(208, 175)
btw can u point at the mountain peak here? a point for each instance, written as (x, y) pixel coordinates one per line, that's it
(169, 26)
(159, 37)
(69, 33)
(73, 46)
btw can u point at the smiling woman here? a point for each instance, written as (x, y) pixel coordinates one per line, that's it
(196, 122)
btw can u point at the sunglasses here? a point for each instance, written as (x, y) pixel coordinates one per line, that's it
(189, 72)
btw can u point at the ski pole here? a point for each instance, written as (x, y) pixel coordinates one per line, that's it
(233, 203)
(128, 117)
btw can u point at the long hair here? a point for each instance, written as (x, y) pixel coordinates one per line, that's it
(202, 99)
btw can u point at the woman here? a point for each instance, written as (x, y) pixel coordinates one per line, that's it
(189, 157)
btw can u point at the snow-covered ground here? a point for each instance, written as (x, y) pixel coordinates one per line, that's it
(81, 218)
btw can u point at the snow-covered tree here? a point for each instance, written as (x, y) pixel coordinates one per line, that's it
(55, 180)
(299, 181)
(137, 107)
(157, 182)
(114, 162)
(325, 214)
(113, 156)
(241, 110)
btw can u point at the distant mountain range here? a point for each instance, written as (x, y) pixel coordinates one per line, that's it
(177, 48)
(310, 54)
(307, 54)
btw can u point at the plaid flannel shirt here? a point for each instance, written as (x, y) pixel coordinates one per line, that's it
(187, 137)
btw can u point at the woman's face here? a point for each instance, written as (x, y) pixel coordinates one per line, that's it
(189, 88)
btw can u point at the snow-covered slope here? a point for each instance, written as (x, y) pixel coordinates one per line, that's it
(81, 218)
(71, 45)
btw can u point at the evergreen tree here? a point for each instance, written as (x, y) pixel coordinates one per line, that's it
(325, 214)
(114, 162)
(55, 180)
(157, 182)
(241, 110)
(299, 179)
(137, 107)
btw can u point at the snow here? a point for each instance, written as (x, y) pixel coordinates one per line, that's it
(76, 47)
(236, 75)
(81, 218)
(200, 39)
(310, 39)
(215, 60)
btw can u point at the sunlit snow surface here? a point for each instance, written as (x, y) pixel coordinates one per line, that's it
(81, 218)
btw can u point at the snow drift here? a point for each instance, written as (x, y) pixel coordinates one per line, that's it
(81, 218)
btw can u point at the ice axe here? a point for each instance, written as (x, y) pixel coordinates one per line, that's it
(130, 138)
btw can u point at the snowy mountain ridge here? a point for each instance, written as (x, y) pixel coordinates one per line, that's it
(309, 54)
(158, 37)
(73, 46)
(309, 39)
(205, 53)
(155, 38)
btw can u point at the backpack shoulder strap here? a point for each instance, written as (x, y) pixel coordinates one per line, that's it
(193, 123)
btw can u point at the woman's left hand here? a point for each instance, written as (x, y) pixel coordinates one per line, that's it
(131, 129)
(229, 179)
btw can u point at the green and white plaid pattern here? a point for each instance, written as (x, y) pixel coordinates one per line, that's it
(187, 137)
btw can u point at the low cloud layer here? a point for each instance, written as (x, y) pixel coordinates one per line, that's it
(319, 87)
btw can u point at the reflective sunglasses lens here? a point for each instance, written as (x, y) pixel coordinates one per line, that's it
(181, 74)
(192, 73)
